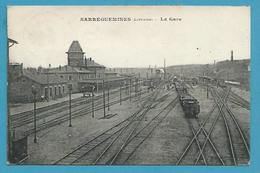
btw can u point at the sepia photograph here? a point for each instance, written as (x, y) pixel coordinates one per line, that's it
(128, 85)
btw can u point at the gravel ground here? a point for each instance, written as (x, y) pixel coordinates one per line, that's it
(168, 141)
(163, 147)
(242, 93)
(53, 143)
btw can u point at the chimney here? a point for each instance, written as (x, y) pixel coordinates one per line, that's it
(232, 58)
(66, 68)
(59, 67)
(90, 59)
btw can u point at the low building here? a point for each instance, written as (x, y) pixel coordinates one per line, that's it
(51, 83)
(20, 88)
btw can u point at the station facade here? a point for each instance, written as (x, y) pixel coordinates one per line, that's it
(52, 83)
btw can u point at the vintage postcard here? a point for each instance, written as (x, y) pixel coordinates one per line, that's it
(128, 85)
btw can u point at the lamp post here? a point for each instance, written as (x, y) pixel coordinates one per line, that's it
(70, 89)
(10, 43)
(83, 91)
(93, 108)
(207, 90)
(108, 108)
(126, 87)
(130, 89)
(104, 99)
(34, 92)
(48, 83)
(120, 93)
(140, 88)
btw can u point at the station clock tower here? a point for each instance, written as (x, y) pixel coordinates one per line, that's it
(75, 55)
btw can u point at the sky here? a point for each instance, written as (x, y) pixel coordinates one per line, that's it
(203, 35)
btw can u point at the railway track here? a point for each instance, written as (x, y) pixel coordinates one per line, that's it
(201, 138)
(238, 143)
(18, 120)
(111, 149)
(59, 106)
(143, 132)
(61, 118)
(238, 100)
(105, 137)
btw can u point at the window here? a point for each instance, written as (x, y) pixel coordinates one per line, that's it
(55, 90)
(46, 92)
(50, 92)
(63, 89)
(70, 78)
(59, 90)
(61, 77)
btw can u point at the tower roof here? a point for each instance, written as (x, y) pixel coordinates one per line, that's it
(75, 47)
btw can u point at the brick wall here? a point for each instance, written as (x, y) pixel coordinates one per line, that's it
(20, 90)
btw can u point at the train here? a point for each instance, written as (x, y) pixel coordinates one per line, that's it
(190, 104)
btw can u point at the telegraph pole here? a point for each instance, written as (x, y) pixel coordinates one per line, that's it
(108, 108)
(104, 99)
(34, 92)
(70, 89)
(48, 83)
(164, 70)
(93, 108)
(130, 89)
(10, 139)
(207, 90)
(140, 89)
(120, 93)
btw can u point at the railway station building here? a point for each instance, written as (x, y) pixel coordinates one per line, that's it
(52, 83)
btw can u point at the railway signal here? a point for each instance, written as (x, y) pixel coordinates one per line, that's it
(34, 92)
(70, 89)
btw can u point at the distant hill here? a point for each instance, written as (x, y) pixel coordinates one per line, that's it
(190, 70)
(236, 70)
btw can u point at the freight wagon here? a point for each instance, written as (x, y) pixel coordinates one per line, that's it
(190, 105)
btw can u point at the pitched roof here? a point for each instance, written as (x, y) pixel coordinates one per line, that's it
(110, 72)
(43, 78)
(75, 47)
(92, 63)
(68, 69)
(100, 80)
